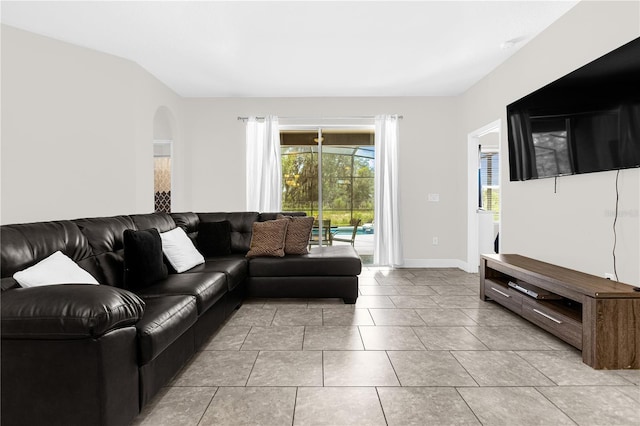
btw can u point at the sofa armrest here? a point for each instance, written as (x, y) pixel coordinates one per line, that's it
(69, 311)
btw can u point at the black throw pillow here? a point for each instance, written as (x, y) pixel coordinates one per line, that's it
(214, 238)
(143, 258)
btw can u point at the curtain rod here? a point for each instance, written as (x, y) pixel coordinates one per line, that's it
(352, 117)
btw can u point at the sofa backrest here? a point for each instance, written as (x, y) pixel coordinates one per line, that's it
(241, 224)
(163, 222)
(97, 244)
(188, 222)
(105, 236)
(26, 244)
(273, 216)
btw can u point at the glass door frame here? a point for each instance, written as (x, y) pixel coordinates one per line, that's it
(319, 128)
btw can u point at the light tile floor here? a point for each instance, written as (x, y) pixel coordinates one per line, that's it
(419, 347)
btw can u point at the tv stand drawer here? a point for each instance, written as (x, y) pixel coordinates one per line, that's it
(550, 317)
(506, 296)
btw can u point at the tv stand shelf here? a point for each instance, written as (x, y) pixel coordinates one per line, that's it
(598, 316)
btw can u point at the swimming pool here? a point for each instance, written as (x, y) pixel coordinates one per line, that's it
(348, 230)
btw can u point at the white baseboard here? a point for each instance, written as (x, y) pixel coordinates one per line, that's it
(435, 263)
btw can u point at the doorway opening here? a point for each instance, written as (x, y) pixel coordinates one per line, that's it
(484, 201)
(162, 153)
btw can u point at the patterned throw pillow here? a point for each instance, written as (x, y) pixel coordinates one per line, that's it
(298, 233)
(267, 238)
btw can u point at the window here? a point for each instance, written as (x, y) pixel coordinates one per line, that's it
(490, 183)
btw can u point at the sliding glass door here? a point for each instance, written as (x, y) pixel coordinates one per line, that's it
(328, 172)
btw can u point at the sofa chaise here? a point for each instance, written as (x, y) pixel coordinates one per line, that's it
(78, 354)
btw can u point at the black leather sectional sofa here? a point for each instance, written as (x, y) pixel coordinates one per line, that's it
(78, 354)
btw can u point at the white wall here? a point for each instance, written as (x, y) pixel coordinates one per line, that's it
(572, 227)
(431, 161)
(77, 127)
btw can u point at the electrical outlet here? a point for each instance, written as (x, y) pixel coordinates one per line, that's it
(434, 198)
(435, 241)
(609, 276)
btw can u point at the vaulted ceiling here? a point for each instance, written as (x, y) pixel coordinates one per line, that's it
(299, 48)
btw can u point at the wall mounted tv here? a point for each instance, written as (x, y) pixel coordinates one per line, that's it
(587, 121)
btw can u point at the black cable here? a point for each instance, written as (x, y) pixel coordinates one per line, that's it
(555, 185)
(615, 219)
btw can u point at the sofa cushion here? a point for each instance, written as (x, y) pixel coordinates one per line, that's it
(207, 287)
(241, 226)
(143, 258)
(165, 319)
(268, 238)
(54, 269)
(180, 251)
(214, 238)
(320, 261)
(70, 311)
(234, 266)
(298, 234)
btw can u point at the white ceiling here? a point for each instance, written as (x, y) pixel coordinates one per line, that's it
(298, 48)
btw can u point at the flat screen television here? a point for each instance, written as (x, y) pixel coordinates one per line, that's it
(587, 121)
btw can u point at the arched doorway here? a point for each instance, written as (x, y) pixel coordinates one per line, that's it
(163, 159)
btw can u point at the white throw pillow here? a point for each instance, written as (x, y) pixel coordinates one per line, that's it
(55, 269)
(179, 250)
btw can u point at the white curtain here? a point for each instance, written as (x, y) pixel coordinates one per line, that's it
(387, 239)
(264, 176)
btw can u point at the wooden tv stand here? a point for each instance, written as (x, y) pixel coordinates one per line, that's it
(598, 316)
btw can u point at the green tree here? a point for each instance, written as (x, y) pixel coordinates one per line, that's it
(347, 189)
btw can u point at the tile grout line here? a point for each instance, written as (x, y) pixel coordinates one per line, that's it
(534, 367)
(322, 365)
(467, 404)
(364, 348)
(371, 318)
(393, 368)
(477, 338)
(245, 338)
(552, 403)
(451, 353)
(295, 404)
(208, 405)
(381, 406)
(252, 367)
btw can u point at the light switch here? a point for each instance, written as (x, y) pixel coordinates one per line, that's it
(434, 197)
